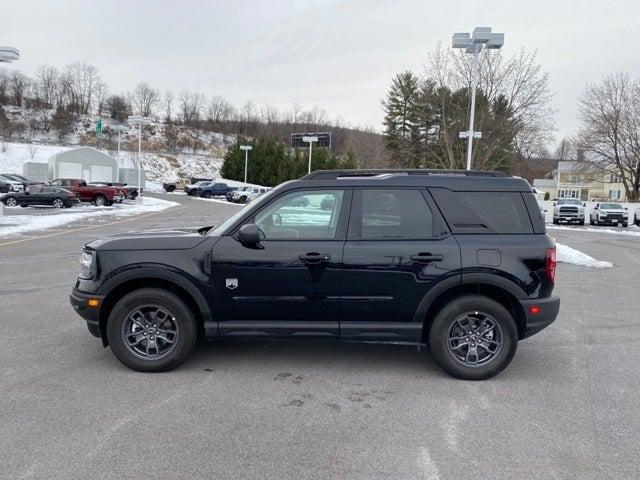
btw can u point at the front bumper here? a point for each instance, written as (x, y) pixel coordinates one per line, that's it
(568, 217)
(612, 220)
(549, 308)
(91, 315)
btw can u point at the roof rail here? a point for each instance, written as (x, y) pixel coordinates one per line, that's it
(335, 174)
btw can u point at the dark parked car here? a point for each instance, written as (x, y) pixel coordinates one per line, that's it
(212, 189)
(458, 261)
(193, 188)
(26, 182)
(55, 196)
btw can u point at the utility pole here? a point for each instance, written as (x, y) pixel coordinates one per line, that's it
(310, 141)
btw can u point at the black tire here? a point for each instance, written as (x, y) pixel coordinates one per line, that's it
(11, 202)
(243, 199)
(57, 202)
(625, 225)
(445, 321)
(636, 222)
(207, 195)
(100, 200)
(181, 315)
(581, 222)
(171, 188)
(556, 222)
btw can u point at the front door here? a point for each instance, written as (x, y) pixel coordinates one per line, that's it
(398, 247)
(290, 283)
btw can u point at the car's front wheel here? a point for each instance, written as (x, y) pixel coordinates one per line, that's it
(473, 337)
(11, 202)
(58, 203)
(151, 330)
(100, 200)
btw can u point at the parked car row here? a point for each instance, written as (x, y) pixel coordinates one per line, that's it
(573, 210)
(66, 192)
(12, 182)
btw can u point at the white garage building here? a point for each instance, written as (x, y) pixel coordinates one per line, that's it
(86, 163)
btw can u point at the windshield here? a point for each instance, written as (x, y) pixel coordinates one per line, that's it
(611, 206)
(230, 222)
(569, 201)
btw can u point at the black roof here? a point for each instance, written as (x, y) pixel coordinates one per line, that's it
(462, 180)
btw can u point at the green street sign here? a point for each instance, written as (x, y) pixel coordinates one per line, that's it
(99, 126)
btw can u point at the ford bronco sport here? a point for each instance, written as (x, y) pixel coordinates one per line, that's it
(457, 261)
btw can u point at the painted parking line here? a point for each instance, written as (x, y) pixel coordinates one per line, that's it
(89, 227)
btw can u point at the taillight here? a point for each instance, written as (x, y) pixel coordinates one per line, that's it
(550, 264)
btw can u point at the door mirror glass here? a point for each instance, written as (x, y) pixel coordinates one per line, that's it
(249, 234)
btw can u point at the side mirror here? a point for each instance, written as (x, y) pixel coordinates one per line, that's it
(554, 204)
(584, 204)
(249, 234)
(83, 184)
(595, 208)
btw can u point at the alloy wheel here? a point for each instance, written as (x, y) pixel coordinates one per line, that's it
(11, 202)
(150, 332)
(58, 203)
(474, 339)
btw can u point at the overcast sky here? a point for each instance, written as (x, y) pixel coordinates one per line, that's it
(337, 55)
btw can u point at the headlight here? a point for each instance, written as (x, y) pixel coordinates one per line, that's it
(88, 264)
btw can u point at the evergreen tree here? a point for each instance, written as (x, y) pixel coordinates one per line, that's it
(403, 114)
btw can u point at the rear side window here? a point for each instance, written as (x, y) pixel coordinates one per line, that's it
(483, 212)
(388, 214)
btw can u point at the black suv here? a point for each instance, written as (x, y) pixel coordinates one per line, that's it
(459, 261)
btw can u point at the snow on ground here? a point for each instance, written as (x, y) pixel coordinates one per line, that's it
(567, 254)
(27, 222)
(631, 230)
(15, 154)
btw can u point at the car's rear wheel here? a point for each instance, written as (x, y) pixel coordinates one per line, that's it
(57, 203)
(473, 337)
(100, 200)
(151, 330)
(207, 194)
(243, 199)
(11, 202)
(625, 225)
(171, 188)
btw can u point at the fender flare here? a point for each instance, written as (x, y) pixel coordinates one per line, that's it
(162, 272)
(466, 279)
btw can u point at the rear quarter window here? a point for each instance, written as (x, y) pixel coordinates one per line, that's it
(483, 212)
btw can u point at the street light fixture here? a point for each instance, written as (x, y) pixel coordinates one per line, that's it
(310, 141)
(9, 54)
(139, 120)
(246, 149)
(473, 44)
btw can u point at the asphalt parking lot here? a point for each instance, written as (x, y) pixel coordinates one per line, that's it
(567, 407)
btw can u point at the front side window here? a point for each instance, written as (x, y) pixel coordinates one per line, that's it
(303, 214)
(387, 214)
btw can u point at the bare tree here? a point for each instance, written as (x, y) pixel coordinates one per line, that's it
(168, 104)
(513, 107)
(47, 78)
(609, 134)
(18, 86)
(191, 105)
(219, 110)
(145, 98)
(79, 84)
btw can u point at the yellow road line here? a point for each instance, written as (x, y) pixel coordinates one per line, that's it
(135, 217)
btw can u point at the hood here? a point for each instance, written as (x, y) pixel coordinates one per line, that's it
(176, 239)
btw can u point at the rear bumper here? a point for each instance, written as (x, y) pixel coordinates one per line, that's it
(91, 315)
(549, 308)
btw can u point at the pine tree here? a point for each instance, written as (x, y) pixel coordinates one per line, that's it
(402, 108)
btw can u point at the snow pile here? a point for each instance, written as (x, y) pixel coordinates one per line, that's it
(18, 224)
(567, 254)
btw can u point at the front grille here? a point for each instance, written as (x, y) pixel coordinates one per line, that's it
(613, 215)
(568, 209)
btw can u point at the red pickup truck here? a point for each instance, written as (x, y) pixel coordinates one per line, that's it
(97, 194)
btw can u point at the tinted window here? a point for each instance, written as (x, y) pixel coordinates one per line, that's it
(483, 212)
(391, 214)
(301, 214)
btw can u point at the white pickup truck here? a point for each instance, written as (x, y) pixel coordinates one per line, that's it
(569, 210)
(609, 214)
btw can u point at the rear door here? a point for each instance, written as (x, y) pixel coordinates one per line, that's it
(397, 249)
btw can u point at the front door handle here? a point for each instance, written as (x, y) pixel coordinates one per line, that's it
(426, 258)
(313, 258)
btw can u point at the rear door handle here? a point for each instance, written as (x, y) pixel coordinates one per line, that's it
(312, 258)
(426, 258)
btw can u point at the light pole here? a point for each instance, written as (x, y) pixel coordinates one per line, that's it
(310, 141)
(140, 120)
(246, 149)
(473, 43)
